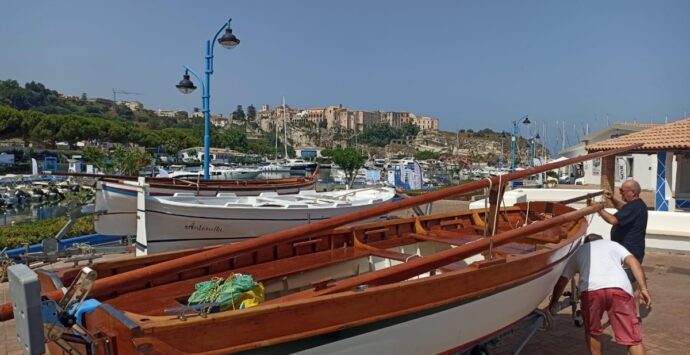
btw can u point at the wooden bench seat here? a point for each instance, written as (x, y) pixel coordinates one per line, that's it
(514, 249)
(168, 294)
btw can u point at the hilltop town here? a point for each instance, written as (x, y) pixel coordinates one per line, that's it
(376, 133)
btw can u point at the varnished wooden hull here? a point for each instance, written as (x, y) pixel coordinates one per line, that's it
(438, 310)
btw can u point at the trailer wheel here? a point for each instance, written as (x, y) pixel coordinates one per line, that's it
(578, 319)
(479, 350)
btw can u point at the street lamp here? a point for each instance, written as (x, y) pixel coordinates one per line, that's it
(513, 139)
(533, 148)
(186, 86)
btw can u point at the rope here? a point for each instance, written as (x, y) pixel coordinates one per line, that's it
(486, 207)
(498, 205)
(526, 214)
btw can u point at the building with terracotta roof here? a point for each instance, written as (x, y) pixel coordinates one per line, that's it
(669, 148)
(634, 166)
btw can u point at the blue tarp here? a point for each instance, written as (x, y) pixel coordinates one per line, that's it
(92, 239)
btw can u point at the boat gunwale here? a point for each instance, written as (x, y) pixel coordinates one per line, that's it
(576, 229)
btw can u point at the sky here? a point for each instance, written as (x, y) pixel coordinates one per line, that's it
(471, 64)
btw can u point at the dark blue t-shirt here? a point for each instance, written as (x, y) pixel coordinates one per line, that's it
(631, 227)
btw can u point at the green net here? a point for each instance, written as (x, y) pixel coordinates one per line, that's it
(236, 292)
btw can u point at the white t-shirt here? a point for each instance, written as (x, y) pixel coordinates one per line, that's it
(600, 264)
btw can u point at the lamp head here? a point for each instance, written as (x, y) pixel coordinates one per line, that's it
(537, 136)
(526, 121)
(228, 40)
(185, 86)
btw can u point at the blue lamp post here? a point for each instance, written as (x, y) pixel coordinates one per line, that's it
(513, 140)
(186, 86)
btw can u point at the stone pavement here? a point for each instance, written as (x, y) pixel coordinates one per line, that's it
(666, 329)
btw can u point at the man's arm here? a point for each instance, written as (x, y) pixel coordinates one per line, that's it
(618, 204)
(557, 292)
(637, 271)
(609, 218)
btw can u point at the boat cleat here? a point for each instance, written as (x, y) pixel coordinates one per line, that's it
(183, 312)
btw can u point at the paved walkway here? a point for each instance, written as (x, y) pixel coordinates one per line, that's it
(665, 328)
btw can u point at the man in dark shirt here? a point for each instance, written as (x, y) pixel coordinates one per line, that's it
(629, 224)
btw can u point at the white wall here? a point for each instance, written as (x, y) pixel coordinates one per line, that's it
(643, 170)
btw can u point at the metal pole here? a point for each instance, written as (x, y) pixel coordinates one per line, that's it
(531, 152)
(205, 99)
(513, 146)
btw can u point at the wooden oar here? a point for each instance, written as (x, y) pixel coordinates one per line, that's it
(417, 266)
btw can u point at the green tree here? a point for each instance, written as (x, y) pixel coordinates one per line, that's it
(251, 113)
(379, 135)
(326, 152)
(181, 115)
(128, 161)
(350, 160)
(425, 154)
(238, 115)
(94, 155)
(409, 130)
(232, 138)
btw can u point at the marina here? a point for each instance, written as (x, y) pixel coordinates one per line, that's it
(461, 178)
(427, 268)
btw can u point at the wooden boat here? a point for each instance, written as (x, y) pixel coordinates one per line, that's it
(117, 199)
(183, 221)
(438, 283)
(408, 284)
(219, 172)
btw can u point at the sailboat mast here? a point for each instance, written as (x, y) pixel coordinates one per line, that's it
(276, 150)
(284, 130)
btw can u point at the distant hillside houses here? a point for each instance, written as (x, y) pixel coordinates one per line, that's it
(339, 117)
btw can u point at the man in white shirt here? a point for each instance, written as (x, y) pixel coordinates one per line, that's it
(604, 286)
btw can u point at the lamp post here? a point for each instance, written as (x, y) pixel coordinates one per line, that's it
(186, 86)
(513, 139)
(533, 148)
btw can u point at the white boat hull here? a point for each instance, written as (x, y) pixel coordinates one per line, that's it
(184, 221)
(118, 201)
(165, 228)
(453, 327)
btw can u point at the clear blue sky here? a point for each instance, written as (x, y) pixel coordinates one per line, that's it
(472, 64)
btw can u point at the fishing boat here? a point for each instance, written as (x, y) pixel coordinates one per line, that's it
(182, 221)
(217, 172)
(116, 200)
(430, 284)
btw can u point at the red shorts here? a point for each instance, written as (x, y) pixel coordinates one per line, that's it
(620, 307)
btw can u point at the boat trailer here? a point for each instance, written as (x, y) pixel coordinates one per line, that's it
(537, 320)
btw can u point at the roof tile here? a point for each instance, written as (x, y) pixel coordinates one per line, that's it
(671, 136)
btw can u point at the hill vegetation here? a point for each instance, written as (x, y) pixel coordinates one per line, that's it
(41, 116)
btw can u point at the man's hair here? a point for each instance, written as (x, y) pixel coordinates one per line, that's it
(592, 237)
(635, 186)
